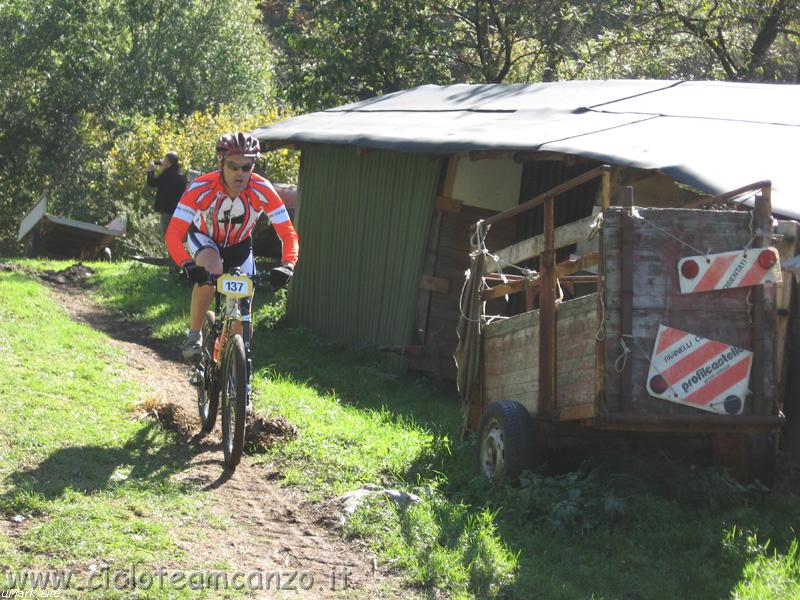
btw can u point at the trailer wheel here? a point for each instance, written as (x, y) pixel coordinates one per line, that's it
(506, 446)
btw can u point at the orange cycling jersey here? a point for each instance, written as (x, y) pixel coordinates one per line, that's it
(228, 221)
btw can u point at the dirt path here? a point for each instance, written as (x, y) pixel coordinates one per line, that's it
(273, 529)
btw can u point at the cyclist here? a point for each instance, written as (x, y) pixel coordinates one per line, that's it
(216, 216)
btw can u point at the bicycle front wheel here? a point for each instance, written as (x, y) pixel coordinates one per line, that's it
(208, 389)
(234, 400)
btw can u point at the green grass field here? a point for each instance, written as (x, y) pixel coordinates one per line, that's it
(630, 525)
(90, 484)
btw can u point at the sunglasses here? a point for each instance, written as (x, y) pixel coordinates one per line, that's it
(245, 167)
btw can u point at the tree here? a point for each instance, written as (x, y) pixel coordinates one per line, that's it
(738, 40)
(513, 40)
(334, 51)
(74, 72)
(741, 34)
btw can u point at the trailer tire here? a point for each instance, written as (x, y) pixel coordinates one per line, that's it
(506, 442)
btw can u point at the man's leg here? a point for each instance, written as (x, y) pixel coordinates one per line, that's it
(202, 295)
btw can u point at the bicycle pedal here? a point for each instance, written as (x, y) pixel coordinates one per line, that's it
(195, 377)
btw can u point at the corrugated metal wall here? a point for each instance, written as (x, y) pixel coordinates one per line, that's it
(363, 221)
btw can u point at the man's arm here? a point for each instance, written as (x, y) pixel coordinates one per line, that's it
(278, 216)
(178, 228)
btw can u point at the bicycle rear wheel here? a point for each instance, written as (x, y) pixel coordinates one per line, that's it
(234, 400)
(208, 390)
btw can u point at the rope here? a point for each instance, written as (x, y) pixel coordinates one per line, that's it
(461, 299)
(601, 331)
(596, 227)
(623, 358)
(749, 244)
(478, 241)
(749, 306)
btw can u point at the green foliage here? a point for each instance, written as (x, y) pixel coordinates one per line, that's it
(769, 574)
(193, 137)
(81, 77)
(337, 52)
(332, 52)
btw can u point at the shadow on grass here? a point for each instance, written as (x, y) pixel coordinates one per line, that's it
(632, 526)
(143, 463)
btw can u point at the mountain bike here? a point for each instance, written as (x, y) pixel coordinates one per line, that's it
(223, 373)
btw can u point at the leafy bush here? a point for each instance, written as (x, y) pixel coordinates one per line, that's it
(193, 138)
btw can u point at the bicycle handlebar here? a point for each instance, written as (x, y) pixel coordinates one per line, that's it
(258, 279)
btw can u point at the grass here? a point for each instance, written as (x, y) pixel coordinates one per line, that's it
(616, 525)
(88, 484)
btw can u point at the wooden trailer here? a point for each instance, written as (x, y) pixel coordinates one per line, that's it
(661, 319)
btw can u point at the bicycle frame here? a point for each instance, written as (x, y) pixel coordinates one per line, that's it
(224, 372)
(235, 310)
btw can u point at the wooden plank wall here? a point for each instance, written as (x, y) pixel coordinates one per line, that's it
(576, 328)
(510, 360)
(721, 315)
(511, 357)
(452, 260)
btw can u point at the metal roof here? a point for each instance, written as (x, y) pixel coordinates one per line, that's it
(714, 136)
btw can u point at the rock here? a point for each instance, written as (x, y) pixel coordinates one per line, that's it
(350, 501)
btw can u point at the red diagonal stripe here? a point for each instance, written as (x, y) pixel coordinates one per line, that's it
(754, 276)
(693, 361)
(668, 337)
(721, 382)
(719, 266)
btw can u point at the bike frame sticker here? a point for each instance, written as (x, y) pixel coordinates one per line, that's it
(695, 371)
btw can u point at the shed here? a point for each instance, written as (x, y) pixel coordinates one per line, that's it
(390, 186)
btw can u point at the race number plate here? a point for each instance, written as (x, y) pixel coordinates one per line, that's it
(235, 286)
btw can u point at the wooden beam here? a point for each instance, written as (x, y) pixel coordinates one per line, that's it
(582, 263)
(448, 204)
(600, 345)
(440, 285)
(432, 250)
(483, 154)
(568, 159)
(763, 393)
(728, 196)
(548, 195)
(786, 303)
(577, 412)
(605, 190)
(563, 270)
(512, 287)
(626, 271)
(547, 318)
(571, 233)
